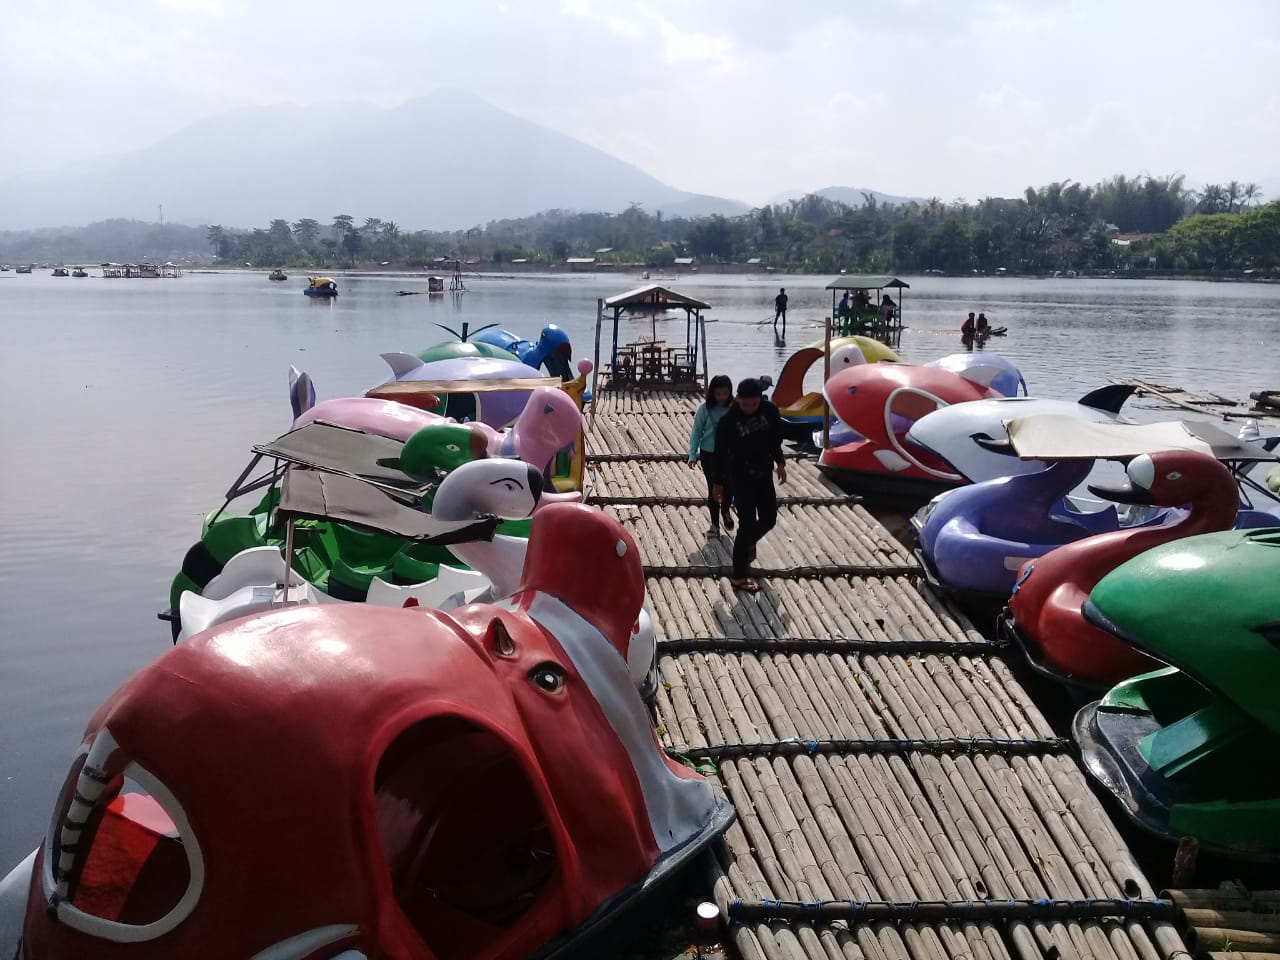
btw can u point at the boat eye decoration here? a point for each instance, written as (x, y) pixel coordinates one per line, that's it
(1173, 475)
(1142, 471)
(548, 677)
(509, 484)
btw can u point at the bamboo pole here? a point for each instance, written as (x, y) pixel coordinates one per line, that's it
(826, 375)
(595, 370)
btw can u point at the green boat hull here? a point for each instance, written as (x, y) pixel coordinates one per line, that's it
(1189, 750)
(338, 559)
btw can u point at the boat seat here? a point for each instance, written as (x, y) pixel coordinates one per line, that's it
(252, 567)
(430, 593)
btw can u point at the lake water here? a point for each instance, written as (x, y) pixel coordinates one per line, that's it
(128, 406)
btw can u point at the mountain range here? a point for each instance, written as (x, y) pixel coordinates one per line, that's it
(449, 160)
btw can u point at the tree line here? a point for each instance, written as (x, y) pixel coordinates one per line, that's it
(1160, 222)
(1142, 223)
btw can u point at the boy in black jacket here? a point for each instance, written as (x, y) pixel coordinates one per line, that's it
(748, 446)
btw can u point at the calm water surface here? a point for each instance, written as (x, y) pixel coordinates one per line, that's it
(128, 406)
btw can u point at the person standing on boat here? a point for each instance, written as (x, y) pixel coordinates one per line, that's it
(982, 327)
(702, 448)
(780, 308)
(748, 449)
(966, 328)
(843, 309)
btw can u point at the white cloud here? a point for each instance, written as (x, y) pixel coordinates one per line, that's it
(1009, 97)
(912, 96)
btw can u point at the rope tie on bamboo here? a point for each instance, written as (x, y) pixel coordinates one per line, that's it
(950, 746)
(841, 645)
(932, 911)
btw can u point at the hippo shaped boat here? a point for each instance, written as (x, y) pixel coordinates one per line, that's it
(358, 781)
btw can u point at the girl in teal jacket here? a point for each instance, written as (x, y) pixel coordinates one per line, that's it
(702, 446)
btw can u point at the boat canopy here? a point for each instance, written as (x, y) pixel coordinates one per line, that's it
(322, 281)
(653, 294)
(389, 390)
(352, 453)
(1058, 437)
(319, 495)
(851, 282)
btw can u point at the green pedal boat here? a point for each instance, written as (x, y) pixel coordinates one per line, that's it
(1190, 750)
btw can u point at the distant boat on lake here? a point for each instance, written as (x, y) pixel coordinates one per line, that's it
(277, 274)
(61, 272)
(321, 287)
(144, 271)
(79, 272)
(23, 268)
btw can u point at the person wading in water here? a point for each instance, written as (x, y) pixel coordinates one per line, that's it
(748, 448)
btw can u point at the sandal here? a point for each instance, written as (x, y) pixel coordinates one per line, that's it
(747, 584)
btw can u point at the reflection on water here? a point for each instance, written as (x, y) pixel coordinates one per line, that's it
(127, 407)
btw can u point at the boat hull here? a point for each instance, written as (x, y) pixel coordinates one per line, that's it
(1239, 828)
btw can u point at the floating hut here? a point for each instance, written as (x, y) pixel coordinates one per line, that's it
(865, 314)
(653, 362)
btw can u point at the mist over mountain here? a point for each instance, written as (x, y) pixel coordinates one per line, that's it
(852, 196)
(445, 161)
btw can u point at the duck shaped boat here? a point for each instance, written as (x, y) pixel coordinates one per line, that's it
(789, 395)
(880, 402)
(321, 287)
(356, 781)
(1189, 749)
(1043, 616)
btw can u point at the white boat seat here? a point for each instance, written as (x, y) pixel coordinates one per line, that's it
(257, 565)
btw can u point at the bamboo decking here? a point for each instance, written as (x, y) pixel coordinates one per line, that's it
(898, 793)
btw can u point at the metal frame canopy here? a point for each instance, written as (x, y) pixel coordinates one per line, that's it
(310, 494)
(653, 299)
(329, 472)
(865, 282)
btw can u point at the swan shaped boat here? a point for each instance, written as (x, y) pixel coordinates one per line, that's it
(1043, 615)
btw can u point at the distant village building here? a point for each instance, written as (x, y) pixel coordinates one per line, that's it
(1128, 239)
(684, 261)
(580, 264)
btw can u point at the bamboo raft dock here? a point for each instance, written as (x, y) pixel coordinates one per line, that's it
(1161, 397)
(899, 795)
(1229, 922)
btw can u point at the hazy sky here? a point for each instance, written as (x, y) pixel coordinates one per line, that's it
(742, 98)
